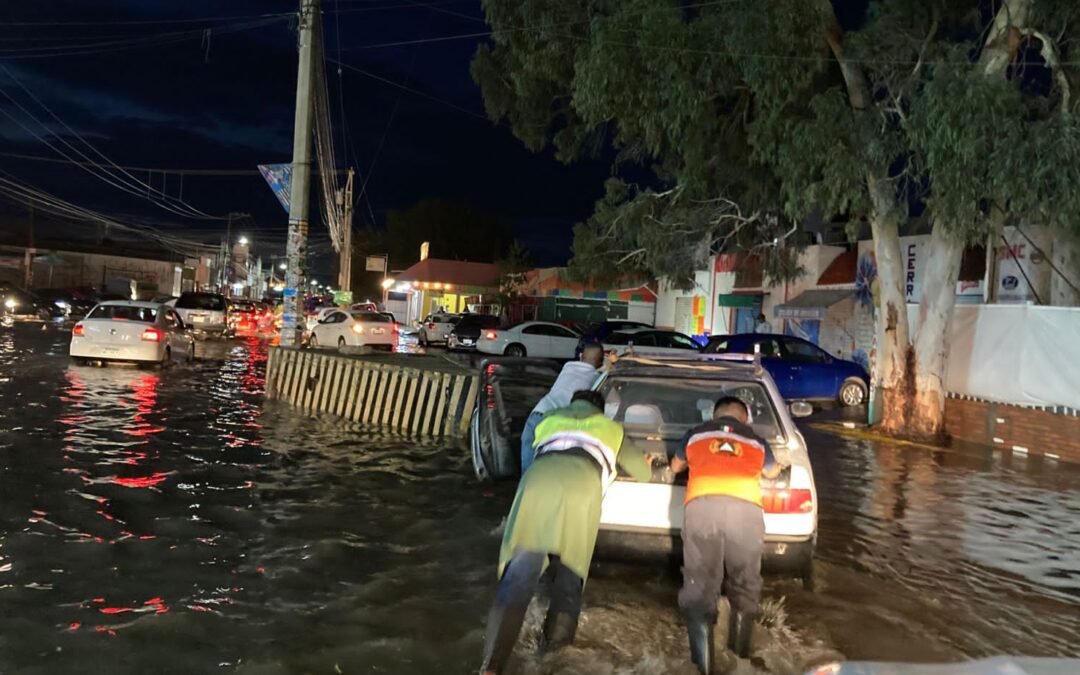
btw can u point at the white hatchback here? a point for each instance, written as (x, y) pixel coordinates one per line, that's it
(533, 338)
(357, 329)
(137, 332)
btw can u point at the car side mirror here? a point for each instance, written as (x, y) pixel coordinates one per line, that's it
(801, 409)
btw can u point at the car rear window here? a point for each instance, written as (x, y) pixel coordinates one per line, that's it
(205, 301)
(370, 317)
(671, 407)
(124, 313)
(478, 320)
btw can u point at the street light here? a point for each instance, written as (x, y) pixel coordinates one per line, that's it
(243, 241)
(283, 266)
(387, 283)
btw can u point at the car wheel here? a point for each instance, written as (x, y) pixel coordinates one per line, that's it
(341, 342)
(313, 341)
(191, 351)
(852, 392)
(166, 361)
(807, 576)
(423, 339)
(515, 350)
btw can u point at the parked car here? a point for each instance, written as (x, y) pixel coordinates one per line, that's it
(18, 303)
(364, 307)
(205, 313)
(71, 305)
(436, 328)
(467, 331)
(127, 330)
(597, 332)
(651, 342)
(658, 400)
(532, 338)
(356, 329)
(801, 369)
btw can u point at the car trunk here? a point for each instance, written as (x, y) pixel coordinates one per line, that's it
(113, 331)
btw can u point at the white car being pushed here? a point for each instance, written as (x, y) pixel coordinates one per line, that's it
(357, 329)
(657, 400)
(532, 338)
(135, 332)
(651, 342)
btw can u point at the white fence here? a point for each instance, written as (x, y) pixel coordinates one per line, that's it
(1021, 354)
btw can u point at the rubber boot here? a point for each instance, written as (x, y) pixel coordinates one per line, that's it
(741, 628)
(503, 628)
(700, 633)
(559, 631)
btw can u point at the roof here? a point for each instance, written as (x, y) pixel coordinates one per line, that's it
(131, 303)
(812, 304)
(453, 272)
(841, 270)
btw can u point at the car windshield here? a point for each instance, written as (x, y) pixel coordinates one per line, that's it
(243, 307)
(205, 301)
(671, 407)
(124, 313)
(370, 317)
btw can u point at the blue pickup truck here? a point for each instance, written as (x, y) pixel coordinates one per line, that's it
(801, 369)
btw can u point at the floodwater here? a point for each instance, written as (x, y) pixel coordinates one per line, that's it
(173, 522)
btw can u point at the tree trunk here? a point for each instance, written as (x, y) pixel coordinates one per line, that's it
(891, 323)
(1065, 279)
(936, 304)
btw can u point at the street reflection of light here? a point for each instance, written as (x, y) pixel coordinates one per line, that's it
(143, 482)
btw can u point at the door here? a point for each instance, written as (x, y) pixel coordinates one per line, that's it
(537, 340)
(812, 373)
(178, 339)
(563, 342)
(331, 328)
(772, 358)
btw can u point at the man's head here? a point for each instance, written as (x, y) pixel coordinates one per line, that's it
(593, 354)
(593, 398)
(761, 318)
(730, 406)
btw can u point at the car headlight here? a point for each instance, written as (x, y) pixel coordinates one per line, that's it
(61, 304)
(10, 303)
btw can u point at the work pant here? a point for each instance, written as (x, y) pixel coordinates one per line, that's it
(512, 599)
(723, 539)
(528, 436)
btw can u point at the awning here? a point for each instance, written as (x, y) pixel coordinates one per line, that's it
(811, 304)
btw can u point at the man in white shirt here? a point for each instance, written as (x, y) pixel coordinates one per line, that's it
(575, 376)
(763, 325)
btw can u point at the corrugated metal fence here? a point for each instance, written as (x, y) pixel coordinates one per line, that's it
(408, 400)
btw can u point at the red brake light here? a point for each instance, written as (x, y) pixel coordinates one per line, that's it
(490, 335)
(151, 335)
(397, 328)
(431, 326)
(78, 330)
(786, 500)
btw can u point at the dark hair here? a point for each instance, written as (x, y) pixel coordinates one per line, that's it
(589, 396)
(725, 401)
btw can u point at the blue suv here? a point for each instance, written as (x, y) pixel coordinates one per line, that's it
(801, 369)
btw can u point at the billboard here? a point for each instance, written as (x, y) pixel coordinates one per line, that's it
(375, 263)
(279, 178)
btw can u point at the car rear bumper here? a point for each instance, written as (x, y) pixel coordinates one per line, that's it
(783, 556)
(144, 352)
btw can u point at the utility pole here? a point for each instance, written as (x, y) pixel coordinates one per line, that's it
(345, 264)
(28, 281)
(296, 245)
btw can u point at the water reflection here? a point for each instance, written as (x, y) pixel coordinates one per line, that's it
(173, 521)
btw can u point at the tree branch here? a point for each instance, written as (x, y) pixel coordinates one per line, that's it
(1049, 53)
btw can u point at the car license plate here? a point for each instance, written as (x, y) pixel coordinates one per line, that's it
(466, 341)
(377, 331)
(110, 350)
(198, 319)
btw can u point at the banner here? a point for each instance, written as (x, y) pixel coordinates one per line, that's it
(342, 297)
(375, 263)
(279, 178)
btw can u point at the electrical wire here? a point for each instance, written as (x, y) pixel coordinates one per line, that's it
(117, 177)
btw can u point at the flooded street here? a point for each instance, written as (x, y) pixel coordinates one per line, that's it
(173, 522)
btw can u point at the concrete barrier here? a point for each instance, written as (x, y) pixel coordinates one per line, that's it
(420, 401)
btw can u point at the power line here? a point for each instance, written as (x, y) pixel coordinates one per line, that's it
(144, 22)
(407, 88)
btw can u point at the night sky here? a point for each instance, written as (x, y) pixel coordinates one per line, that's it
(188, 100)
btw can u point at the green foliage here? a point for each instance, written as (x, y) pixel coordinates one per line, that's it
(743, 115)
(455, 231)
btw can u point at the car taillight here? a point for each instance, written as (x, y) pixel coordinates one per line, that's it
(78, 330)
(151, 335)
(397, 329)
(431, 326)
(786, 500)
(358, 329)
(490, 335)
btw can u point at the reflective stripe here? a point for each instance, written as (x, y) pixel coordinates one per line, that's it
(566, 440)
